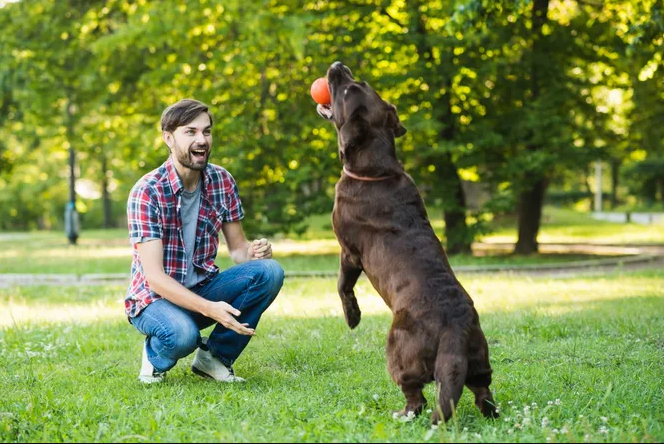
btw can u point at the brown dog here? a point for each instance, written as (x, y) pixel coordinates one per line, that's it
(381, 223)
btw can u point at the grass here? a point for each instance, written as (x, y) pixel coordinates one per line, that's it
(574, 360)
(108, 251)
(564, 225)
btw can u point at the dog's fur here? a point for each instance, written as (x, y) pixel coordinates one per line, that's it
(383, 229)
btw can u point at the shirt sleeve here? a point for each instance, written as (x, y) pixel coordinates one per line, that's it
(143, 216)
(232, 200)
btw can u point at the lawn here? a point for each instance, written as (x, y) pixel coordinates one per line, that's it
(574, 360)
(108, 251)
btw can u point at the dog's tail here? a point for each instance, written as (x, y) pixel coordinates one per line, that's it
(450, 372)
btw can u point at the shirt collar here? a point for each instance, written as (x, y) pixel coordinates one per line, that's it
(176, 182)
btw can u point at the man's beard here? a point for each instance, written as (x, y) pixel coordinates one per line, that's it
(188, 160)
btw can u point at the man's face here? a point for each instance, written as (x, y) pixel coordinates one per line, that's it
(191, 144)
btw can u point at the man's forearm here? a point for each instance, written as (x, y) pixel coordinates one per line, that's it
(171, 290)
(241, 255)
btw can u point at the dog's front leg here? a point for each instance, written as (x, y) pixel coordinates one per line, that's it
(350, 271)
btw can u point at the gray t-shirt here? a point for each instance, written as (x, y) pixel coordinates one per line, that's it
(191, 202)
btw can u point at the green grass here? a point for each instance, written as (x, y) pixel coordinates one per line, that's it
(564, 225)
(584, 353)
(108, 251)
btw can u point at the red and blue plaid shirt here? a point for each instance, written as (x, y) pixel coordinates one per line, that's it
(153, 211)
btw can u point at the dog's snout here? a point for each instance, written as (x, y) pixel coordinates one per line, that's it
(338, 72)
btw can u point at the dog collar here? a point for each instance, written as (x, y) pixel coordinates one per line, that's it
(365, 178)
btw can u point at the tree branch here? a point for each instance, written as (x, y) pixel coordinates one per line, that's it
(383, 10)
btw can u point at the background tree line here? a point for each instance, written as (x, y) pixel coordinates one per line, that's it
(519, 96)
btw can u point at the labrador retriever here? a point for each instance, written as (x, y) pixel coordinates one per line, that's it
(382, 226)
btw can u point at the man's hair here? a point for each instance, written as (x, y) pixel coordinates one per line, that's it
(182, 113)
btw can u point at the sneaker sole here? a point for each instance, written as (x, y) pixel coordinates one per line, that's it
(206, 376)
(150, 379)
(200, 373)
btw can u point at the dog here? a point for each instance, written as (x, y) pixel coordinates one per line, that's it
(381, 223)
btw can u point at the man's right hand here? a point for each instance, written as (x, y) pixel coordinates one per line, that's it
(224, 314)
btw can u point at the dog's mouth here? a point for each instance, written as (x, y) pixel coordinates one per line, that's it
(338, 75)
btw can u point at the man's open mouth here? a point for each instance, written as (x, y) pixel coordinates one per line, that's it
(199, 154)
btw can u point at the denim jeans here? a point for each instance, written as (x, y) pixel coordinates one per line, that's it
(174, 332)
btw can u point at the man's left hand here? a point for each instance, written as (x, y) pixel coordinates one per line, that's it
(260, 249)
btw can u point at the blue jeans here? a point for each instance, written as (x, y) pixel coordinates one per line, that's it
(174, 332)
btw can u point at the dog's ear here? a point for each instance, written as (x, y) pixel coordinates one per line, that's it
(394, 123)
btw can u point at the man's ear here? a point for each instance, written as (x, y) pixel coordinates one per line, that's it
(168, 139)
(394, 123)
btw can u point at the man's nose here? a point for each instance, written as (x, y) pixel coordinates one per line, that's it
(200, 139)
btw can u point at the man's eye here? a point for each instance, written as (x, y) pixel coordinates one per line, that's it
(189, 133)
(207, 133)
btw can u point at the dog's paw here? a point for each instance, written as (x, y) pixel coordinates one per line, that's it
(352, 313)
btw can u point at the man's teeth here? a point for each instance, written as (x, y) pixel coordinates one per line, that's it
(198, 152)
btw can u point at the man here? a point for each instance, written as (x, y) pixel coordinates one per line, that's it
(174, 215)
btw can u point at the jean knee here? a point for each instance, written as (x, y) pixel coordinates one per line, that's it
(182, 339)
(275, 276)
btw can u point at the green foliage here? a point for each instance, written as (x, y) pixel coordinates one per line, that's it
(484, 97)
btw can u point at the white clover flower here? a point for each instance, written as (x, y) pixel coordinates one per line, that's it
(558, 402)
(604, 419)
(604, 430)
(545, 422)
(549, 403)
(376, 397)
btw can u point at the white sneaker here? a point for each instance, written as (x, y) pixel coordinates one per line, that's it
(208, 366)
(148, 373)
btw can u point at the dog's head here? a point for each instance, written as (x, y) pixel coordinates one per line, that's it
(357, 111)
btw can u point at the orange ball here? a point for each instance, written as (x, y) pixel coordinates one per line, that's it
(320, 91)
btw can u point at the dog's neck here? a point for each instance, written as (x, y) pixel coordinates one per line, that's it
(373, 162)
(365, 178)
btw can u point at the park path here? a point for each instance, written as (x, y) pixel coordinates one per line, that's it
(630, 258)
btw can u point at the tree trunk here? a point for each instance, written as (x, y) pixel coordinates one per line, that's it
(531, 199)
(615, 171)
(105, 195)
(530, 206)
(456, 228)
(454, 198)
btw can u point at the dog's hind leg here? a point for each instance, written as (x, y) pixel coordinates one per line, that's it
(349, 272)
(406, 364)
(479, 373)
(450, 373)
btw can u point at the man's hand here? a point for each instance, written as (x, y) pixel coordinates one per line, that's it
(223, 313)
(259, 249)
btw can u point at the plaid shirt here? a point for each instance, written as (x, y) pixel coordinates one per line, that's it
(153, 211)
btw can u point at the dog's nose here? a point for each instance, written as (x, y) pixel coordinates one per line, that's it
(337, 65)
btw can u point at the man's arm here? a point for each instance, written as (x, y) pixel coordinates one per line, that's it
(151, 254)
(242, 250)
